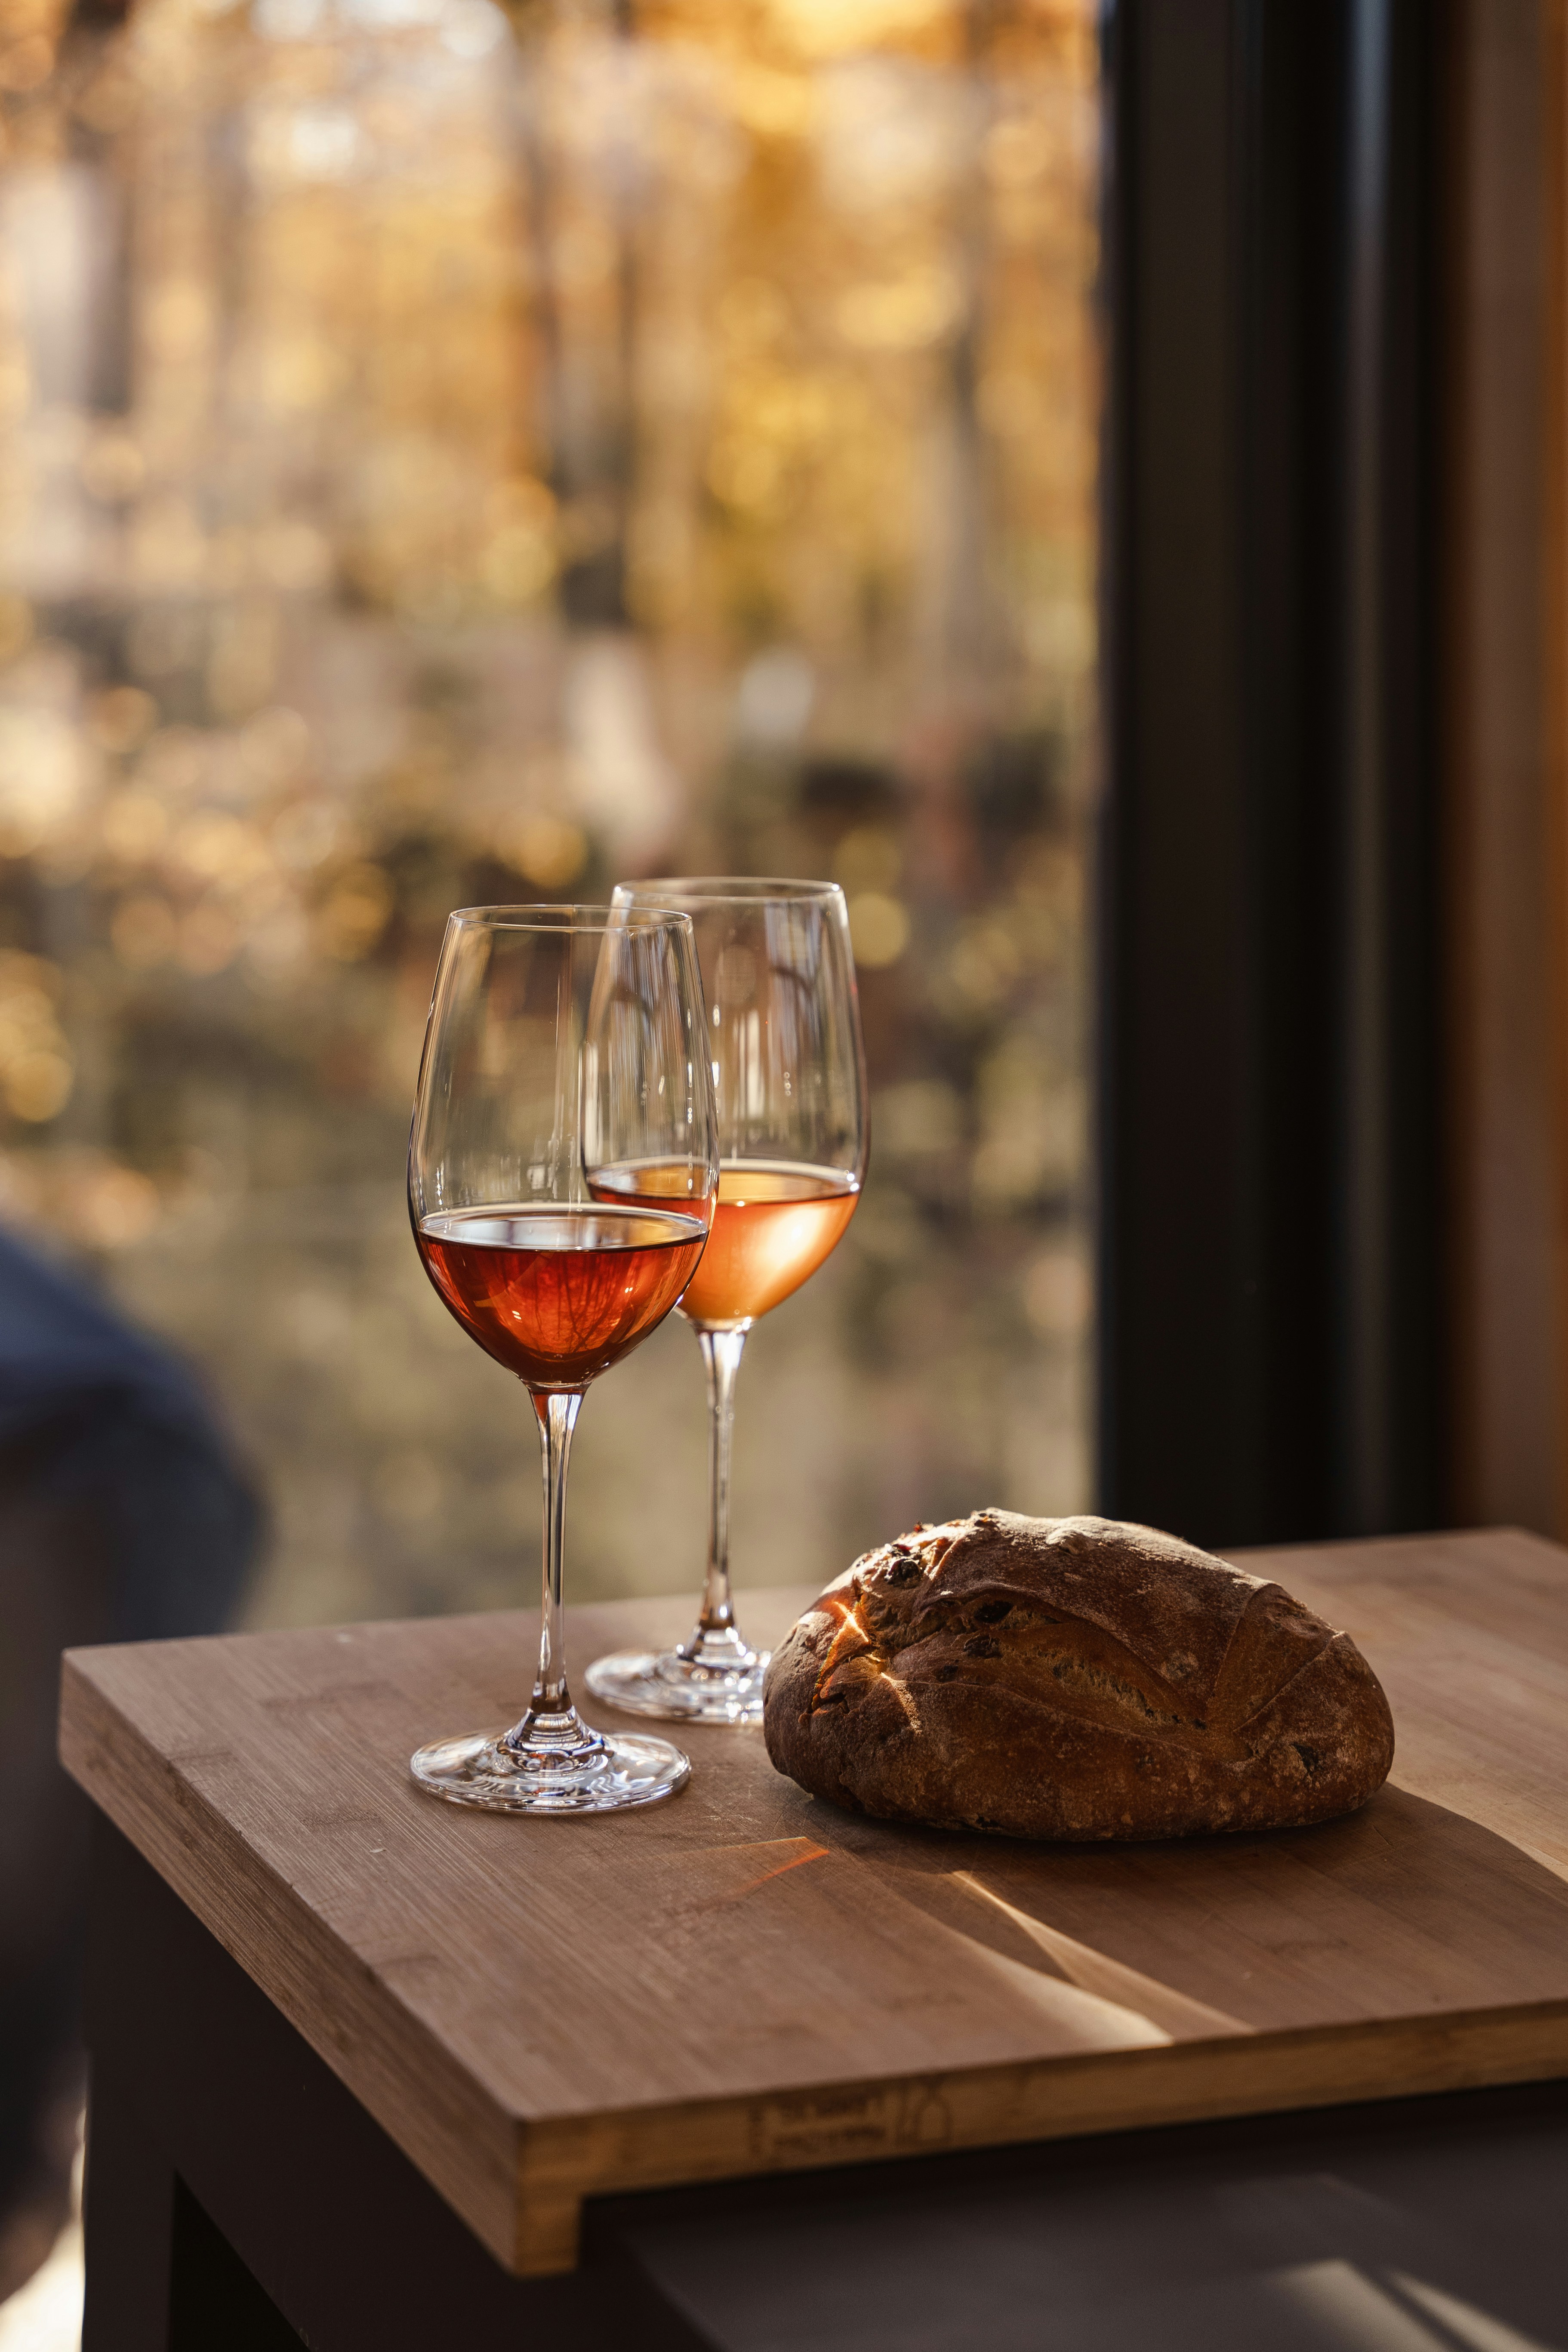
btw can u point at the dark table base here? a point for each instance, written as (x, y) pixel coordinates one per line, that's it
(240, 2200)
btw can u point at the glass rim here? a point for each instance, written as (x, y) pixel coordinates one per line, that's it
(733, 889)
(557, 917)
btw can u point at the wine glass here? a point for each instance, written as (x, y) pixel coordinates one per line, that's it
(560, 1039)
(789, 1075)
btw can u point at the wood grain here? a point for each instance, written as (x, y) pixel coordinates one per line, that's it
(745, 1979)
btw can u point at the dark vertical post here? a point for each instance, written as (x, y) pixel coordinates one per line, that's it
(1171, 914)
(129, 2198)
(1389, 1450)
(1362, 1420)
(1269, 1120)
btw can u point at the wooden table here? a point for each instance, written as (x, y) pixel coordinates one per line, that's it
(317, 1995)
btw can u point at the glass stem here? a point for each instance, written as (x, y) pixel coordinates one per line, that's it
(721, 1353)
(552, 1720)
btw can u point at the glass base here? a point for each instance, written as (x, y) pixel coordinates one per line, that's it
(611, 1772)
(722, 1682)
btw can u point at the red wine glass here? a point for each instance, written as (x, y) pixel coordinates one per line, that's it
(789, 1075)
(562, 1040)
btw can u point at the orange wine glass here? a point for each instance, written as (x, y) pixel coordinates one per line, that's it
(789, 1077)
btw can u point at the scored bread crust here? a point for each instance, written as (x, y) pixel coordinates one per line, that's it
(1078, 1678)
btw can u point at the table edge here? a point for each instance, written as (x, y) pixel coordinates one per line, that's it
(114, 1765)
(562, 2162)
(518, 2182)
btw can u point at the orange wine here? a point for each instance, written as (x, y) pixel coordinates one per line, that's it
(775, 1222)
(560, 1294)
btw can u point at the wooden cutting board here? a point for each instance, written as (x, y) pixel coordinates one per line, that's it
(745, 1979)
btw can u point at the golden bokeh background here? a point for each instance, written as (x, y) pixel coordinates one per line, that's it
(451, 454)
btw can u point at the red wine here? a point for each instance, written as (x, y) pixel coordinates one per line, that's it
(775, 1222)
(560, 1294)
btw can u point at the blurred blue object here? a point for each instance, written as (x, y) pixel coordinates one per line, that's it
(115, 1423)
(124, 1516)
(107, 1418)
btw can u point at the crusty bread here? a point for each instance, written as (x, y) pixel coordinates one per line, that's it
(1072, 1678)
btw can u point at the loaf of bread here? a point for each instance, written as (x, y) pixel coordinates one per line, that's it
(1072, 1678)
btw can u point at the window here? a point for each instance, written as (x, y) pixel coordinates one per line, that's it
(454, 456)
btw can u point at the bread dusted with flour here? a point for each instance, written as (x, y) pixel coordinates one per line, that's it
(1073, 1679)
